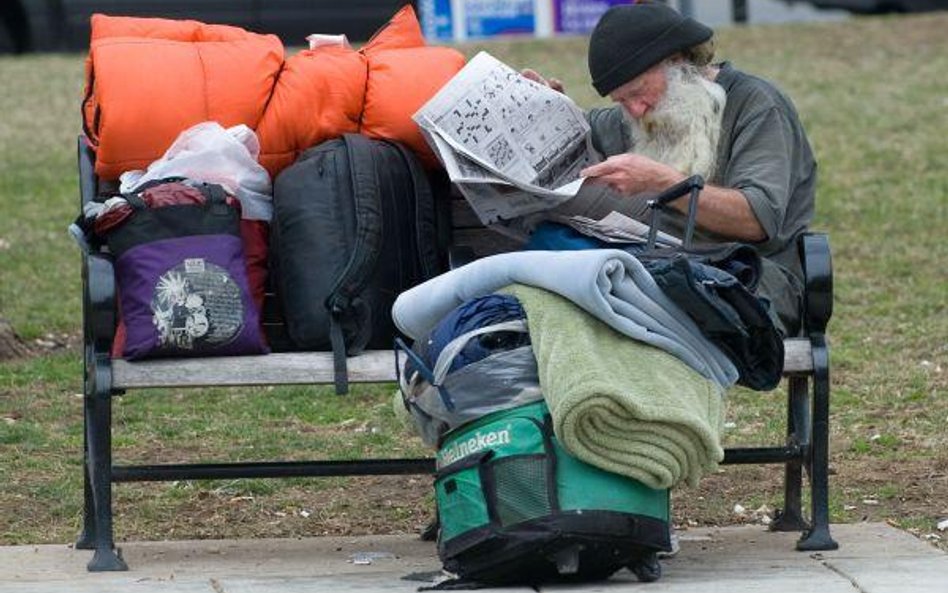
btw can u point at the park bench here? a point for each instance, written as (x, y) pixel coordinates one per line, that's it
(806, 369)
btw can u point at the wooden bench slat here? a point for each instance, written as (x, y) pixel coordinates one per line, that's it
(798, 356)
(282, 368)
(306, 368)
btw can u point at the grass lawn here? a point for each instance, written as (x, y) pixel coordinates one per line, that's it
(874, 97)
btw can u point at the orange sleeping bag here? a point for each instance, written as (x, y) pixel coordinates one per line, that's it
(147, 80)
(150, 79)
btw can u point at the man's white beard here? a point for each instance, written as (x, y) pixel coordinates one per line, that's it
(682, 130)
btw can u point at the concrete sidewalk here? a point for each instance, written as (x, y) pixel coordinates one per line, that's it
(873, 558)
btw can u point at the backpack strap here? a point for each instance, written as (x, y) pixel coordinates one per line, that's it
(365, 250)
(426, 232)
(157, 182)
(215, 199)
(135, 200)
(213, 193)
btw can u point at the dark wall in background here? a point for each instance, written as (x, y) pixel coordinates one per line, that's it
(63, 25)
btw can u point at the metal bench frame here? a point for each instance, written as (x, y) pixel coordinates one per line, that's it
(806, 367)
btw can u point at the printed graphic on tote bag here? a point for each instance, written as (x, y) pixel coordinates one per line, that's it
(197, 304)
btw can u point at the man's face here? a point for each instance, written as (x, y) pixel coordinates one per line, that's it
(673, 116)
(641, 94)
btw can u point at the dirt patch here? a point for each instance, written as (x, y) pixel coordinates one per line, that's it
(908, 493)
(11, 346)
(55, 342)
(331, 506)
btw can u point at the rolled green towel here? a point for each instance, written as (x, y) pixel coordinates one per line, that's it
(617, 403)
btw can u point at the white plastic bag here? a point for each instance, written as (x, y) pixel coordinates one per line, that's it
(209, 153)
(317, 40)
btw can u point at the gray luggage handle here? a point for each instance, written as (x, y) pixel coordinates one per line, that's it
(694, 185)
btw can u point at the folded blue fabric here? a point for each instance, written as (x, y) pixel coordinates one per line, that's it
(474, 314)
(610, 284)
(714, 285)
(552, 236)
(728, 314)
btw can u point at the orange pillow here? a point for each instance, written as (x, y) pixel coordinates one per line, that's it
(401, 31)
(324, 93)
(318, 96)
(400, 82)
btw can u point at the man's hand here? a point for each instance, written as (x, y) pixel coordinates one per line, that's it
(554, 83)
(722, 210)
(630, 174)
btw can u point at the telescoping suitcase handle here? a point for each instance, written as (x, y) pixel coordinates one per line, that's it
(694, 185)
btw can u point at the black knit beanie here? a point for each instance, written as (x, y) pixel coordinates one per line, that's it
(631, 38)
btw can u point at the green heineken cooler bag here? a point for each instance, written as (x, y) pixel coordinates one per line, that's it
(515, 507)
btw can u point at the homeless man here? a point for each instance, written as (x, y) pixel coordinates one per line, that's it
(678, 114)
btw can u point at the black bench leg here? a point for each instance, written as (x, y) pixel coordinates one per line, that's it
(86, 539)
(98, 314)
(790, 518)
(99, 437)
(818, 537)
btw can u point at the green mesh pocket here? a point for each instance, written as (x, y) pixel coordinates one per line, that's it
(521, 489)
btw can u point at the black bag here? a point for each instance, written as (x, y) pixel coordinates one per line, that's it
(354, 225)
(716, 287)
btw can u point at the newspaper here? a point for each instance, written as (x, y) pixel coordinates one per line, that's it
(512, 146)
(616, 228)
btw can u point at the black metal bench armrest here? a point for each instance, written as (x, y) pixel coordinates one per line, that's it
(98, 273)
(88, 184)
(818, 272)
(98, 301)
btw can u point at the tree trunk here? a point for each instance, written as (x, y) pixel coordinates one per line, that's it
(10, 344)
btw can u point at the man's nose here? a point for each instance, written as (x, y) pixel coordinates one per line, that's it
(636, 107)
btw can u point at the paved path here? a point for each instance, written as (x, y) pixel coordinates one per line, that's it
(873, 558)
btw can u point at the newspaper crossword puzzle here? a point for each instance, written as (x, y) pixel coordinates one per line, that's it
(511, 145)
(505, 101)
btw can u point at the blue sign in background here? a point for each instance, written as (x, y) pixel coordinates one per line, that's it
(580, 16)
(486, 18)
(436, 21)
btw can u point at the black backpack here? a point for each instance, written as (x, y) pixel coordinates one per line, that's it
(354, 225)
